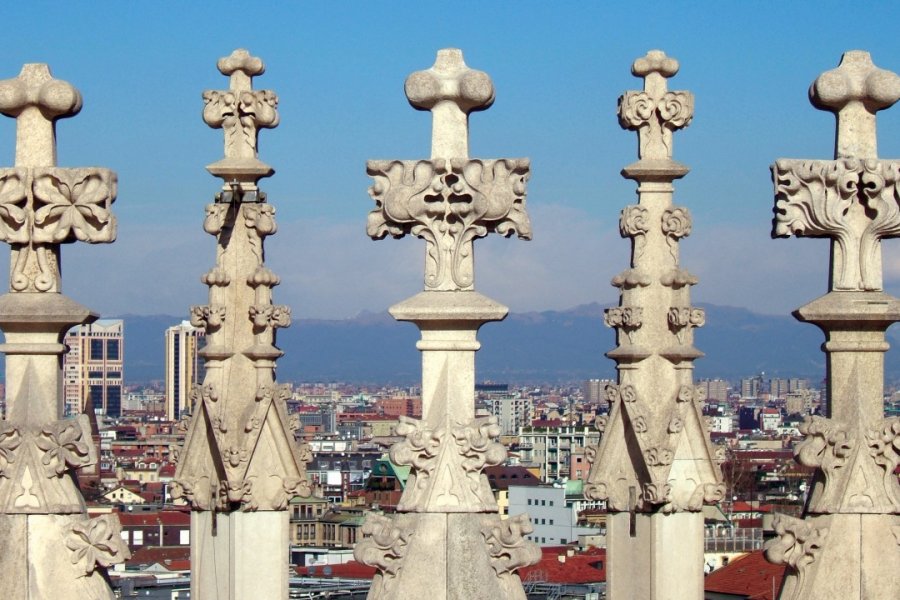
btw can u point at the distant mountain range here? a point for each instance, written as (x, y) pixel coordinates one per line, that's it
(532, 347)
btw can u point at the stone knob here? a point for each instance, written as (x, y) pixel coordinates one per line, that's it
(655, 61)
(240, 60)
(450, 79)
(35, 87)
(856, 79)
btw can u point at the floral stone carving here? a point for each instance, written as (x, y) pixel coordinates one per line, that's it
(448, 203)
(97, 541)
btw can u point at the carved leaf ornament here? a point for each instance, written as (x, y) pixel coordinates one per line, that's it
(448, 203)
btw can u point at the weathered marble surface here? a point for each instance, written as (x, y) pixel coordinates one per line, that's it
(49, 548)
(847, 545)
(447, 540)
(240, 465)
(655, 466)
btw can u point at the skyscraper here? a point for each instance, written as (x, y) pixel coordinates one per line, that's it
(93, 367)
(184, 367)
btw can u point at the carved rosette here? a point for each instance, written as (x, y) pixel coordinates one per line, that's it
(626, 319)
(383, 546)
(34, 461)
(43, 207)
(676, 224)
(507, 546)
(684, 318)
(634, 223)
(65, 446)
(448, 203)
(97, 541)
(655, 118)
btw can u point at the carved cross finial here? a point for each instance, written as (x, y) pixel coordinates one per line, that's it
(450, 90)
(854, 92)
(36, 100)
(852, 199)
(241, 68)
(655, 112)
(43, 205)
(241, 111)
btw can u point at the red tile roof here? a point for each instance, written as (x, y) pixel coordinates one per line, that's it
(750, 576)
(142, 519)
(147, 555)
(587, 567)
(349, 570)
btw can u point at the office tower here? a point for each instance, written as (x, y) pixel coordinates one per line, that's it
(93, 367)
(184, 367)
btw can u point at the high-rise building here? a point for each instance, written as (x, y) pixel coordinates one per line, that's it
(184, 366)
(512, 411)
(595, 390)
(716, 389)
(93, 367)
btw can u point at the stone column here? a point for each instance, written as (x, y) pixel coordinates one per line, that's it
(655, 466)
(847, 546)
(240, 465)
(447, 540)
(49, 548)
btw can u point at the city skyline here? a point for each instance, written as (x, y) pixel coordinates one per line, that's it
(558, 72)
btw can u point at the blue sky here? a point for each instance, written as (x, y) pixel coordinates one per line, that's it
(339, 68)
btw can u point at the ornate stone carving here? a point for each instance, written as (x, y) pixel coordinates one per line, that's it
(426, 450)
(49, 206)
(683, 318)
(624, 318)
(615, 393)
(383, 546)
(630, 279)
(448, 203)
(10, 440)
(64, 446)
(676, 224)
(677, 278)
(633, 223)
(828, 444)
(240, 111)
(208, 316)
(215, 217)
(449, 200)
(419, 450)
(883, 442)
(475, 443)
(72, 204)
(798, 545)
(95, 542)
(269, 316)
(508, 548)
(655, 112)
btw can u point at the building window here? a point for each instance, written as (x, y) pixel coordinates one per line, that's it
(95, 374)
(112, 349)
(551, 521)
(96, 349)
(529, 502)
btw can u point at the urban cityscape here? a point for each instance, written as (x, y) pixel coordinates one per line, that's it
(550, 431)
